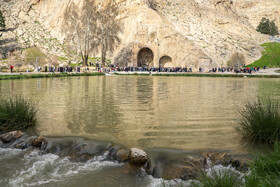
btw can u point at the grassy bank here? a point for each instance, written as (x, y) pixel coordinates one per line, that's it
(28, 76)
(17, 114)
(202, 75)
(263, 172)
(270, 57)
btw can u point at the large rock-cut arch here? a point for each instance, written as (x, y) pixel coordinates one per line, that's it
(145, 58)
(165, 61)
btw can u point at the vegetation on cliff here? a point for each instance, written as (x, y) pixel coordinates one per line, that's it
(17, 114)
(270, 57)
(267, 27)
(35, 55)
(2, 20)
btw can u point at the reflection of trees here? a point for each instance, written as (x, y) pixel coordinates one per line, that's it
(93, 109)
(145, 90)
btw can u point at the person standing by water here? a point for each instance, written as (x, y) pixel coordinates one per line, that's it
(11, 68)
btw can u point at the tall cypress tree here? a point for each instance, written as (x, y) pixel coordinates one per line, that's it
(2, 20)
(263, 26)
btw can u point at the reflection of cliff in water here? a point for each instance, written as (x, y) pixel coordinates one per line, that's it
(142, 111)
(93, 109)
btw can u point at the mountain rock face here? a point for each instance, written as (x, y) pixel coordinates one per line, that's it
(165, 33)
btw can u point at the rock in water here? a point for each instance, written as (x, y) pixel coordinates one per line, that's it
(123, 154)
(11, 136)
(137, 156)
(38, 141)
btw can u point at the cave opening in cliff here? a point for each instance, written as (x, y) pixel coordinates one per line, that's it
(145, 58)
(165, 62)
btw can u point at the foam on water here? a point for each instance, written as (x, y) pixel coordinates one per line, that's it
(8, 153)
(176, 182)
(42, 169)
(35, 169)
(221, 170)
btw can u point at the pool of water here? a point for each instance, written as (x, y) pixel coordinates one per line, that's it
(184, 113)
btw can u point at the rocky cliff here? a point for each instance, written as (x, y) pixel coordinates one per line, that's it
(192, 33)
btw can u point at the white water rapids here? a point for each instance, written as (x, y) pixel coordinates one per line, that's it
(30, 168)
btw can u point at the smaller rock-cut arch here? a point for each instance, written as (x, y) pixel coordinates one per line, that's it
(165, 62)
(145, 58)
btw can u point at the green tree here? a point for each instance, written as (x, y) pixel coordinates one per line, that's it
(267, 27)
(2, 20)
(273, 29)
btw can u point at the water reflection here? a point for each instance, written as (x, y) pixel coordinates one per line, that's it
(173, 112)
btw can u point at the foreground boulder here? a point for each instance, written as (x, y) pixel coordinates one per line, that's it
(137, 156)
(11, 136)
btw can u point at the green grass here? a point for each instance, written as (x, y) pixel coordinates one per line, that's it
(219, 179)
(270, 57)
(260, 122)
(28, 76)
(265, 170)
(17, 114)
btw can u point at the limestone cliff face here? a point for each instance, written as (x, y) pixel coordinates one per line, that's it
(188, 33)
(255, 10)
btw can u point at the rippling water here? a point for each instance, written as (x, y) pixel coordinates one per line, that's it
(184, 113)
(147, 112)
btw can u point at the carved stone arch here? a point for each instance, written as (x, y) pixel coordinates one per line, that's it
(165, 61)
(145, 57)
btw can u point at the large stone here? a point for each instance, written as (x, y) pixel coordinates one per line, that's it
(38, 141)
(137, 156)
(11, 136)
(122, 155)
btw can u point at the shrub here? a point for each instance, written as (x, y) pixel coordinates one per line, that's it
(17, 114)
(237, 60)
(260, 122)
(31, 54)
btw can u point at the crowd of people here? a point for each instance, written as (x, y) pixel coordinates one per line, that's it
(147, 69)
(112, 68)
(237, 70)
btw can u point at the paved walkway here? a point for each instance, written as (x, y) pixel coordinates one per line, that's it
(271, 71)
